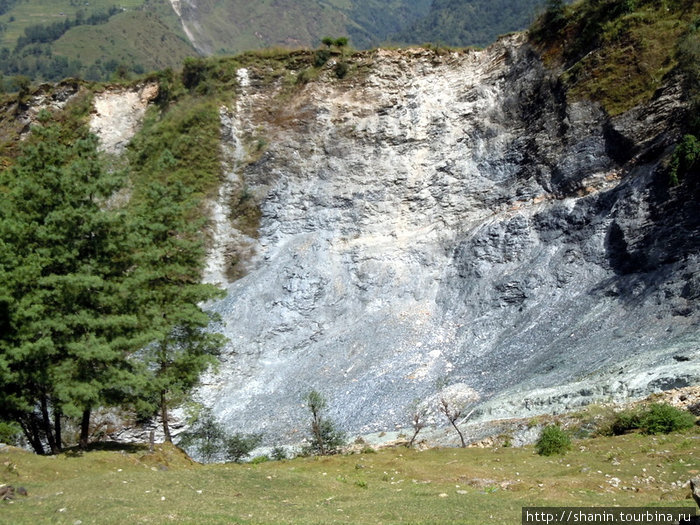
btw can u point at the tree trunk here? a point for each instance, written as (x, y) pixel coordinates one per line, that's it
(164, 417)
(85, 429)
(461, 437)
(31, 432)
(46, 422)
(316, 430)
(57, 428)
(413, 437)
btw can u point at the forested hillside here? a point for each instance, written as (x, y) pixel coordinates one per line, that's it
(92, 40)
(470, 23)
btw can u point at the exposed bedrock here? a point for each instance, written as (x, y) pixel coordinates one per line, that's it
(455, 217)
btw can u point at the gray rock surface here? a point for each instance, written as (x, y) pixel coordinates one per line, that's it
(455, 217)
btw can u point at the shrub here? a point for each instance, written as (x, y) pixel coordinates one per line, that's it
(260, 459)
(686, 157)
(321, 56)
(278, 453)
(688, 56)
(208, 438)
(553, 440)
(662, 418)
(325, 437)
(657, 418)
(204, 437)
(306, 75)
(341, 69)
(239, 446)
(22, 85)
(624, 422)
(194, 71)
(554, 18)
(10, 433)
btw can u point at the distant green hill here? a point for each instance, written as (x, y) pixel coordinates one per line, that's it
(50, 40)
(138, 39)
(232, 26)
(470, 22)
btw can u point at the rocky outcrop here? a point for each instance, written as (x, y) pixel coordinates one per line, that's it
(118, 113)
(455, 218)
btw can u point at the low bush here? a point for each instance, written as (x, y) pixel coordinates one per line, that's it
(278, 453)
(657, 418)
(553, 440)
(204, 437)
(207, 438)
(239, 446)
(321, 56)
(686, 157)
(341, 69)
(10, 433)
(625, 421)
(662, 419)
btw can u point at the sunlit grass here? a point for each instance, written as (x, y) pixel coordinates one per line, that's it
(393, 486)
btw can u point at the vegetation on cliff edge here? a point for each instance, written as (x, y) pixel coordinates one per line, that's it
(618, 52)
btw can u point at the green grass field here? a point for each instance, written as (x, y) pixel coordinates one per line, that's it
(466, 486)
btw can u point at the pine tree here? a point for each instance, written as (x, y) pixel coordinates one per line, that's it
(64, 265)
(98, 307)
(167, 290)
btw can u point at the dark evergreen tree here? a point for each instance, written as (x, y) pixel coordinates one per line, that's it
(64, 268)
(168, 293)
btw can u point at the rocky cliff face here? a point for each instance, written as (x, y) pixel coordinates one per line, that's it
(450, 217)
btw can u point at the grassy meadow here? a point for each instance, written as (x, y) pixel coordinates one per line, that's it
(449, 485)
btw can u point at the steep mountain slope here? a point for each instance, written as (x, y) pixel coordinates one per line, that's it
(233, 26)
(128, 38)
(53, 40)
(454, 217)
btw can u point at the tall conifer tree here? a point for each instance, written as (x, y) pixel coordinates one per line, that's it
(168, 293)
(63, 263)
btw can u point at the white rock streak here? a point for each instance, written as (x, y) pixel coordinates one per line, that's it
(234, 155)
(190, 25)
